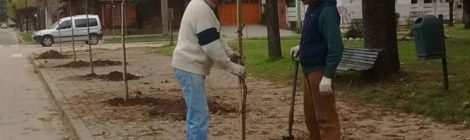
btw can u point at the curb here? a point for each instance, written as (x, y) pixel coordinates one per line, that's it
(20, 39)
(71, 119)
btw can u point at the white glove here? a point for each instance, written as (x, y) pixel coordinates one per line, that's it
(325, 86)
(234, 54)
(237, 69)
(235, 57)
(294, 52)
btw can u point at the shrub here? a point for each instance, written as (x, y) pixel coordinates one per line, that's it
(353, 33)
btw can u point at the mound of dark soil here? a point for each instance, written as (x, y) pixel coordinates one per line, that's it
(97, 63)
(75, 64)
(51, 54)
(169, 109)
(118, 76)
(103, 63)
(112, 76)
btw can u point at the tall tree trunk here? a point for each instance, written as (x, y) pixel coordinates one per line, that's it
(272, 21)
(466, 13)
(380, 32)
(451, 13)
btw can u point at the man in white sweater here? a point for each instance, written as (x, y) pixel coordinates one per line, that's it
(199, 46)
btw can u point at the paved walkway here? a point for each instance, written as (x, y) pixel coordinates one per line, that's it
(26, 110)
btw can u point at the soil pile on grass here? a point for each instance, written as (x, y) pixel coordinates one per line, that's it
(97, 63)
(167, 109)
(51, 54)
(118, 76)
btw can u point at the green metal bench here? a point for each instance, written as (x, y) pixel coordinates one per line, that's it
(358, 59)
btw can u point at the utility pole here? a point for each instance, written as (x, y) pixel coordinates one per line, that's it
(164, 5)
(73, 38)
(27, 17)
(112, 18)
(299, 14)
(46, 12)
(58, 24)
(170, 12)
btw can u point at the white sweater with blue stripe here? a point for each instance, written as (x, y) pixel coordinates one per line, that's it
(200, 44)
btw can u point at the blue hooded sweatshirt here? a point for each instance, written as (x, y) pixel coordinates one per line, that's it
(321, 44)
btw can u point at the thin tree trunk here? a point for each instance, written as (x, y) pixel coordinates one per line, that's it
(380, 32)
(272, 21)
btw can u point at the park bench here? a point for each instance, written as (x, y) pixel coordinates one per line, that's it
(358, 59)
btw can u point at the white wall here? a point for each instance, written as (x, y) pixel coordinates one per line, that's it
(352, 9)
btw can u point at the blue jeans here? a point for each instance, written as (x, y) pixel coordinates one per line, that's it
(197, 116)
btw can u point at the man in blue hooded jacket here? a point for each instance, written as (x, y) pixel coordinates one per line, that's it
(320, 51)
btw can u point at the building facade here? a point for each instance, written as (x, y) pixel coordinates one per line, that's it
(408, 10)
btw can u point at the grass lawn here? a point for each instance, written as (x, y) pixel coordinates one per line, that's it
(26, 37)
(417, 88)
(141, 38)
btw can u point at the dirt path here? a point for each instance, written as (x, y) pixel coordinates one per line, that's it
(268, 105)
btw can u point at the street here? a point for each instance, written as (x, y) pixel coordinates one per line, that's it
(26, 111)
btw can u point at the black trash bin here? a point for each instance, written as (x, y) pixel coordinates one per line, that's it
(429, 37)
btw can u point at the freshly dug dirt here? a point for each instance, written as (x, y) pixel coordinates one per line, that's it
(168, 109)
(97, 63)
(51, 54)
(118, 76)
(176, 109)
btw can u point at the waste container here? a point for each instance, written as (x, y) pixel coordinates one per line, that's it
(429, 37)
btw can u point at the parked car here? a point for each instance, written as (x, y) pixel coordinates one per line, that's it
(71, 27)
(4, 26)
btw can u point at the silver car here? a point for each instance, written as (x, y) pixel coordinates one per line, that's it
(71, 28)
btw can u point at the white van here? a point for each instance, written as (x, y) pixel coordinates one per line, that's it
(49, 36)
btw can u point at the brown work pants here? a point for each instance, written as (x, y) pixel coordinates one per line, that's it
(320, 111)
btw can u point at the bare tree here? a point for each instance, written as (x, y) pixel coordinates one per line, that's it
(380, 32)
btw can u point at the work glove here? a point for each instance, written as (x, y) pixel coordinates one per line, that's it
(325, 86)
(294, 52)
(236, 58)
(237, 69)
